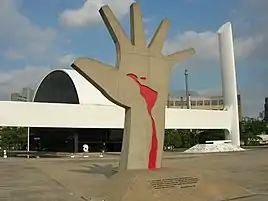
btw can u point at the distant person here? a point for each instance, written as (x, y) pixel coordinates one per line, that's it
(103, 149)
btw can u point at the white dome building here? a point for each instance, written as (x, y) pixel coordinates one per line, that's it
(68, 86)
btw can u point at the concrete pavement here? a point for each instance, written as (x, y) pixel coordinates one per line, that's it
(77, 178)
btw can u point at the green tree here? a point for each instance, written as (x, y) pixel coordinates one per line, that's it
(173, 137)
(249, 131)
(13, 138)
(187, 138)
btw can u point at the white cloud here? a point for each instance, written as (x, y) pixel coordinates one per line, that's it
(29, 76)
(14, 80)
(88, 14)
(244, 47)
(206, 45)
(13, 55)
(207, 53)
(66, 60)
(20, 37)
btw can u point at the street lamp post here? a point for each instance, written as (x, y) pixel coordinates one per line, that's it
(186, 88)
(188, 100)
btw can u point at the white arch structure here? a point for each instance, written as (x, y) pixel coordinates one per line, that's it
(95, 111)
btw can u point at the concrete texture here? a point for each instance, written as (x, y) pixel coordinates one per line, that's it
(139, 82)
(169, 184)
(79, 179)
(21, 182)
(216, 147)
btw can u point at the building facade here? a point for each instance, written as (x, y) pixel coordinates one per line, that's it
(26, 95)
(67, 86)
(87, 117)
(265, 109)
(203, 103)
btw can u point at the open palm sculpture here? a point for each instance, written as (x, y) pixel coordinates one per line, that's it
(139, 82)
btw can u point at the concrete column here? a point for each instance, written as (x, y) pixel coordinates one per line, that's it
(75, 143)
(28, 139)
(28, 142)
(229, 85)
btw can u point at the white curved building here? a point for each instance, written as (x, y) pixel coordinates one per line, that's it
(68, 86)
(84, 107)
(92, 118)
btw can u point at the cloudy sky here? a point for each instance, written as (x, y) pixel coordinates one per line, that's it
(37, 36)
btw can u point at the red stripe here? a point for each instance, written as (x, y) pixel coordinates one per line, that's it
(150, 97)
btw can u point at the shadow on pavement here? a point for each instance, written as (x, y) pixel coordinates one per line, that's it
(107, 170)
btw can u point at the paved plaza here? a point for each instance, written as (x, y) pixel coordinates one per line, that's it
(47, 179)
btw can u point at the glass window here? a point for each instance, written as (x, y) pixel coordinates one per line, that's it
(199, 103)
(207, 102)
(177, 103)
(193, 103)
(214, 102)
(221, 102)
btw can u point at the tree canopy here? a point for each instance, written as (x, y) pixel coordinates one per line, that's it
(13, 138)
(249, 134)
(249, 131)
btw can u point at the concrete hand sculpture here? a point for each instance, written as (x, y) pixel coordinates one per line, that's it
(139, 82)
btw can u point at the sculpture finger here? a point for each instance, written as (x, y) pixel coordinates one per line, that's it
(181, 55)
(159, 38)
(116, 31)
(136, 26)
(102, 76)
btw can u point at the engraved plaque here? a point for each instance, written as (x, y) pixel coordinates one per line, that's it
(180, 182)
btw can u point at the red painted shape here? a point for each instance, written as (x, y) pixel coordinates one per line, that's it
(150, 97)
(143, 78)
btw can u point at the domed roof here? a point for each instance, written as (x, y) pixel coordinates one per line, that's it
(68, 86)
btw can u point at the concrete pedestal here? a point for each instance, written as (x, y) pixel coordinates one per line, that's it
(168, 184)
